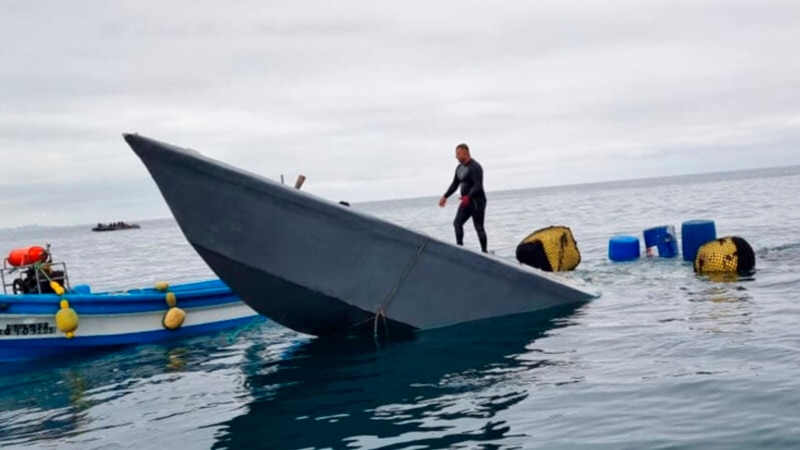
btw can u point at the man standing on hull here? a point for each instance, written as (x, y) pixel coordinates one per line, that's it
(469, 176)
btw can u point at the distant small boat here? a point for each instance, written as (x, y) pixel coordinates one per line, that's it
(113, 226)
(321, 268)
(36, 321)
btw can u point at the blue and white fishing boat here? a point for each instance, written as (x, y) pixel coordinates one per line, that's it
(43, 315)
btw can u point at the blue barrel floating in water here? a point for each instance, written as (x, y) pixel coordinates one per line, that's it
(623, 248)
(695, 233)
(661, 241)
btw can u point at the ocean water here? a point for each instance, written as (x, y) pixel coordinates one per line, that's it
(664, 359)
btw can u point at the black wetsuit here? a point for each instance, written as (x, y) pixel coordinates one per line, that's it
(470, 178)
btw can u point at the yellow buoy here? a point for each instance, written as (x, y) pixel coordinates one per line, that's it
(552, 249)
(171, 300)
(56, 288)
(173, 318)
(66, 319)
(162, 286)
(730, 254)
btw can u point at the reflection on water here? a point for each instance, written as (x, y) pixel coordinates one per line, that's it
(722, 304)
(726, 277)
(176, 359)
(341, 393)
(58, 399)
(44, 404)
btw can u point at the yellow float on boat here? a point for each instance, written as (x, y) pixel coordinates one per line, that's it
(174, 317)
(56, 287)
(66, 319)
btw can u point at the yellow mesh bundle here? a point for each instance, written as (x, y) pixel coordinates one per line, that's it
(559, 247)
(728, 254)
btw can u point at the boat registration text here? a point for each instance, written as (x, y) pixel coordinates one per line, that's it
(27, 329)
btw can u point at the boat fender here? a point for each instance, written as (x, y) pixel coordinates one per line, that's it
(56, 287)
(174, 317)
(66, 319)
(552, 249)
(725, 255)
(161, 286)
(171, 300)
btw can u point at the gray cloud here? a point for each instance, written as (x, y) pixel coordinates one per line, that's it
(368, 99)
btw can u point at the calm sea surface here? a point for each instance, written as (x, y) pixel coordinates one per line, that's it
(663, 360)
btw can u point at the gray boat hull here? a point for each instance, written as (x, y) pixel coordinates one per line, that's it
(321, 268)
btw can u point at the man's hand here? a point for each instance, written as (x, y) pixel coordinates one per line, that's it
(465, 200)
(442, 201)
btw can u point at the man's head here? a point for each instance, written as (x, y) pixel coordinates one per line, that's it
(462, 153)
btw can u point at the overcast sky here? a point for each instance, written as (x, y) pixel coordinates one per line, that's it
(369, 98)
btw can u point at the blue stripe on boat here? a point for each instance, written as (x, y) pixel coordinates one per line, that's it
(189, 295)
(27, 349)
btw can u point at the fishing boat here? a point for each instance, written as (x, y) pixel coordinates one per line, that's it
(42, 314)
(321, 268)
(114, 226)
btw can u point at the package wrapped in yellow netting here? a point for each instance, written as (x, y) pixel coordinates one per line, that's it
(552, 249)
(723, 255)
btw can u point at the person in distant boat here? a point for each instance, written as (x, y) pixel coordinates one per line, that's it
(469, 177)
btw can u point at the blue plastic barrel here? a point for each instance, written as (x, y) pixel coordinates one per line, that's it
(623, 248)
(661, 241)
(695, 233)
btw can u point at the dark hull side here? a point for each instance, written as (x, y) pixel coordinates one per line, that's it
(319, 268)
(295, 306)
